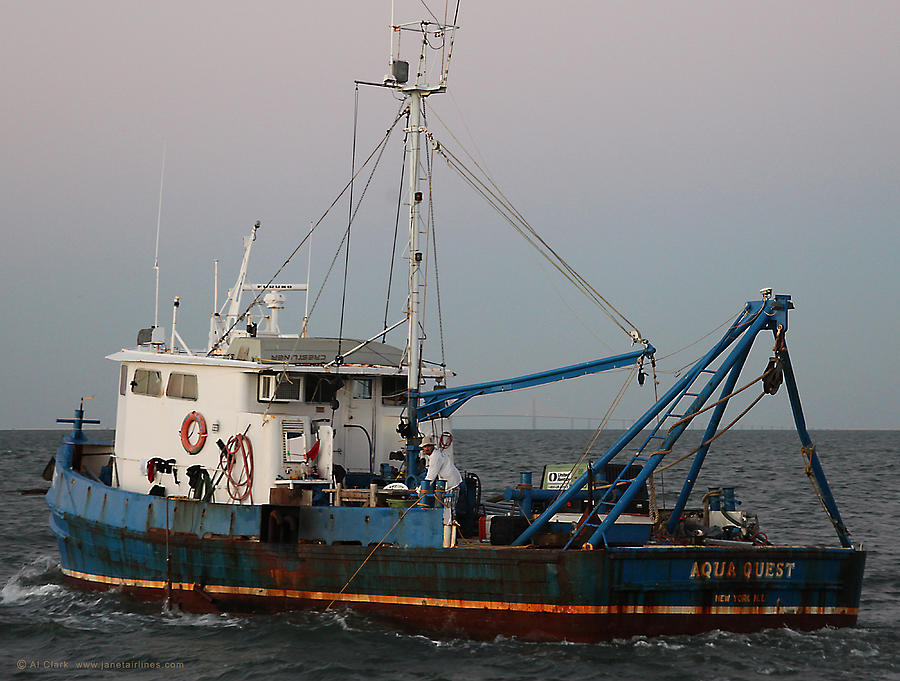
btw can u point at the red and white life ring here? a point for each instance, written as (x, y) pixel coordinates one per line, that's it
(188, 432)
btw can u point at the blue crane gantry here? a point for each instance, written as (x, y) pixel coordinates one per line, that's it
(770, 313)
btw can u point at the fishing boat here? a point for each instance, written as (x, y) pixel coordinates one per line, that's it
(276, 471)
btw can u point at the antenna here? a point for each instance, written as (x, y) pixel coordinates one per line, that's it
(304, 329)
(162, 174)
(214, 315)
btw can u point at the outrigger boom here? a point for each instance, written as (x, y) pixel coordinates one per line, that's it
(444, 402)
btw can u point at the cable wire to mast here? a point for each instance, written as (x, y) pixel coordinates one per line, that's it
(347, 231)
(387, 303)
(349, 217)
(495, 198)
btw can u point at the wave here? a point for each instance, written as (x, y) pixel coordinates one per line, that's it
(37, 579)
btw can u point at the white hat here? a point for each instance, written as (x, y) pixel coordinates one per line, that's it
(427, 440)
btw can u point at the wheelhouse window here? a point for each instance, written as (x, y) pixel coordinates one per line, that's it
(147, 382)
(322, 388)
(393, 391)
(182, 386)
(279, 387)
(123, 379)
(362, 388)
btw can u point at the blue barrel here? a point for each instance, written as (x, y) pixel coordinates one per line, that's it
(728, 500)
(715, 498)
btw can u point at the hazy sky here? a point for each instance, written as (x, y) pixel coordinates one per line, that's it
(680, 155)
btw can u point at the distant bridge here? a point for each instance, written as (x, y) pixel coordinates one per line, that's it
(570, 422)
(575, 422)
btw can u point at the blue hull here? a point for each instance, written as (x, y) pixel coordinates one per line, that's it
(209, 557)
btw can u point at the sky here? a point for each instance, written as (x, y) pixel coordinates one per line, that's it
(681, 156)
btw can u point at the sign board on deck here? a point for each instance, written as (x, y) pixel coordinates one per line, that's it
(558, 476)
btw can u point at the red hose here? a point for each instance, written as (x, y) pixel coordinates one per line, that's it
(241, 487)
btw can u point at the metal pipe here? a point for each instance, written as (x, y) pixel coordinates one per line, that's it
(174, 319)
(413, 132)
(815, 465)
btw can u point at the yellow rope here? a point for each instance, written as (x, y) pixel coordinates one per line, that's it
(713, 438)
(371, 553)
(806, 453)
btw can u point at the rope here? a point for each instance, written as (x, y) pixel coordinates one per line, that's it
(689, 417)
(806, 454)
(355, 211)
(387, 302)
(350, 217)
(703, 444)
(437, 280)
(712, 439)
(600, 428)
(492, 194)
(371, 553)
(654, 508)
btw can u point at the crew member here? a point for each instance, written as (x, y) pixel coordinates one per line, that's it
(441, 466)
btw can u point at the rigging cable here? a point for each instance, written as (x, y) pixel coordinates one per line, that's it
(380, 151)
(349, 217)
(429, 11)
(430, 236)
(495, 198)
(437, 280)
(283, 375)
(500, 199)
(603, 423)
(677, 372)
(379, 147)
(689, 417)
(737, 329)
(387, 303)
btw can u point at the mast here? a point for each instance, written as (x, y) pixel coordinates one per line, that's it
(416, 92)
(413, 132)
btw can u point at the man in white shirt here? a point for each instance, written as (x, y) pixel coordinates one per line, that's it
(440, 465)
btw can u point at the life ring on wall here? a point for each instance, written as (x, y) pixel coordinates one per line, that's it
(199, 432)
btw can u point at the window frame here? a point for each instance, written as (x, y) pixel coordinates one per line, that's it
(387, 391)
(295, 385)
(136, 383)
(180, 393)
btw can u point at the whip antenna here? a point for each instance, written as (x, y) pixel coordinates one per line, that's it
(162, 174)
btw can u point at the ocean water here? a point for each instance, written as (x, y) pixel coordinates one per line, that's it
(60, 633)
